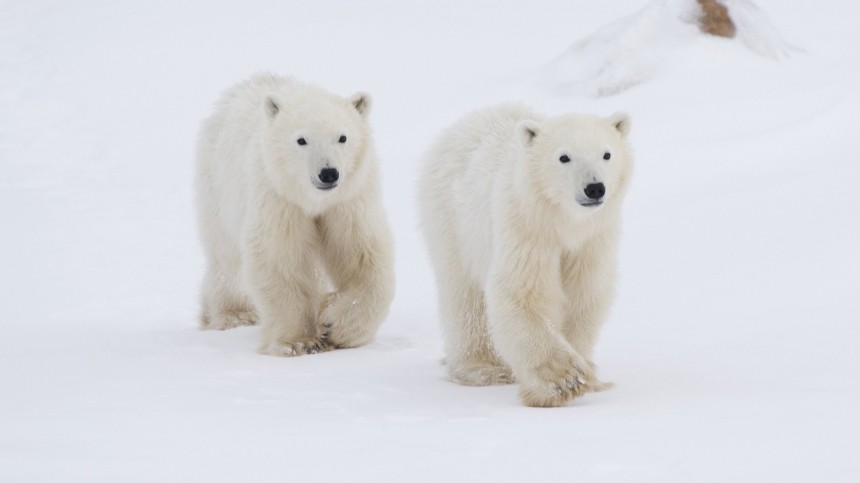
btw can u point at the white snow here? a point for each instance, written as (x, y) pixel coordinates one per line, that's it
(732, 343)
(756, 31)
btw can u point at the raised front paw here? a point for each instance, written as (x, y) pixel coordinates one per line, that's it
(343, 322)
(558, 380)
(294, 348)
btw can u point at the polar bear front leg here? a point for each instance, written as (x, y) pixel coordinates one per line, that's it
(523, 301)
(278, 269)
(357, 251)
(588, 278)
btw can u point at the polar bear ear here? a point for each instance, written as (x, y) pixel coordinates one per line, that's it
(620, 121)
(361, 101)
(272, 106)
(527, 131)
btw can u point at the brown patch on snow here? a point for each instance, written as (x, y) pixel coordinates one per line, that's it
(715, 19)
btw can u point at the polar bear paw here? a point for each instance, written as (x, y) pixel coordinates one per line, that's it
(228, 320)
(294, 348)
(341, 322)
(481, 374)
(557, 381)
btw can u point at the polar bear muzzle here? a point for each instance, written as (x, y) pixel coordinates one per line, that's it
(327, 179)
(594, 192)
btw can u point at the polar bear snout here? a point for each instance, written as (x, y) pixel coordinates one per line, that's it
(327, 178)
(329, 175)
(594, 193)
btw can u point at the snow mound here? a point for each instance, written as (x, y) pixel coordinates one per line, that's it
(630, 50)
(756, 32)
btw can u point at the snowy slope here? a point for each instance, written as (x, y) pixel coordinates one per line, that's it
(732, 341)
(633, 49)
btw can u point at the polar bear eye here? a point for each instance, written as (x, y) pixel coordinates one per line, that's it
(564, 158)
(301, 141)
(342, 139)
(606, 156)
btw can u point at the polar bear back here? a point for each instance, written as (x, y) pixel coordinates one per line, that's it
(228, 142)
(471, 165)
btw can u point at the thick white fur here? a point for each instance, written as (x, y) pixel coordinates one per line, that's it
(525, 273)
(275, 244)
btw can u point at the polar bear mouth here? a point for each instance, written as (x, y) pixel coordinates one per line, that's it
(325, 186)
(590, 203)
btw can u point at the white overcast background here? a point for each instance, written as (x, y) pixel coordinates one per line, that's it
(732, 342)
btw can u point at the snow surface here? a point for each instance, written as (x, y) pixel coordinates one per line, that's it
(733, 341)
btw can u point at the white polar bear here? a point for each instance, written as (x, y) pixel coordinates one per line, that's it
(288, 194)
(521, 214)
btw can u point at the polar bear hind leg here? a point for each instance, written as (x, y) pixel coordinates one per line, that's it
(471, 358)
(224, 305)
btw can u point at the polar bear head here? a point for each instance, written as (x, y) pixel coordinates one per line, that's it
(315, 146)
(578, 162)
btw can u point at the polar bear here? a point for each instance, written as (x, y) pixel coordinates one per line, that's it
(521, 215)
(290, 217)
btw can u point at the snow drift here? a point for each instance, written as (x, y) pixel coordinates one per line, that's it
(632, 49)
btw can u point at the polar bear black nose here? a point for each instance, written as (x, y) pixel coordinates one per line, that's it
(329, 175)
(595, 191)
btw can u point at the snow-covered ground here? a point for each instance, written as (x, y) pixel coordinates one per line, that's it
(733, 341)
